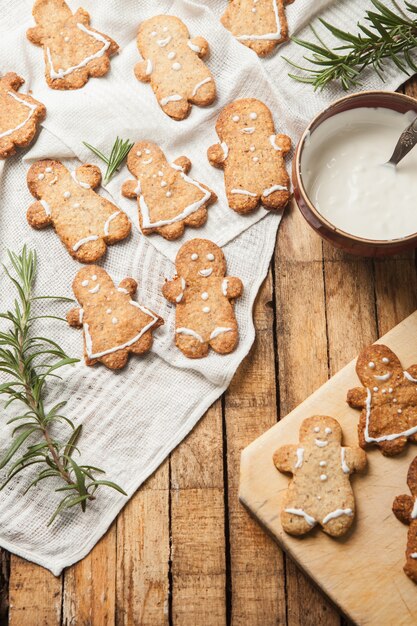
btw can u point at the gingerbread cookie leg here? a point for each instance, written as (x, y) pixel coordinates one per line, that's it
(224, 340)
(192, 346)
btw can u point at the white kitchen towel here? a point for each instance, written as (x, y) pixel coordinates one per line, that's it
(132, 419)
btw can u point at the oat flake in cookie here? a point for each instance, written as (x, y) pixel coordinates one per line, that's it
(204, 298)
(252, 157)
(73, 51)
(320, 491)
(20, 115)
(405, 509)
(258, 24)
(168, 199)
(114, 325)
(85, 222)
(388, 400)
(173, 66)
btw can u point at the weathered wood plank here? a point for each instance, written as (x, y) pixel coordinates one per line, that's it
(257, 564)
(89, 586)
(143, 554)
(4, 586)
(34, 594)
(197, 525)
(303, 367)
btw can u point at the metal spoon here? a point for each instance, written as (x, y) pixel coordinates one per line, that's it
(406, 142)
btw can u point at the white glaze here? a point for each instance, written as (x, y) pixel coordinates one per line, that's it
(308, 518)
(273, 142)
(243, 192)
(414, 511)
(164, 42)
(219, 331)
(345, 466)
(337, 513)
(46, 207)
(41, 176)
(204, 296)
(80, 315)
(32, 109)
(323, 477)
(174, 98)
(176, 66)
(200, 84)
(344, 175)
(267, 192)
(108, 221)
(225, 149)
(80, 183)
(300, 457)
(149, 68)
(206, 272)
(80, 243)
(320, 443)
(266, 36)
(384, 377)
(190, 332)
(225, 284)
(391, 436)
(193, 47)
(95, 289)
(248, 131)
(61, 73)
(206, 309)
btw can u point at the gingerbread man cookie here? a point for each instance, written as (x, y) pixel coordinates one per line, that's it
(252, 157)
(172, 64)
(388, 400)
(168, 200)
(20, 115)
(85, 222)
(73, 51)
(320, 491)
(405, 509)
(113, 323)
(258, 24)
(204, 298)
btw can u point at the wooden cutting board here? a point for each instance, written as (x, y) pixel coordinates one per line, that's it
(362, 572)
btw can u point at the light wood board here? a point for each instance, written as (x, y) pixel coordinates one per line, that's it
(362, 572)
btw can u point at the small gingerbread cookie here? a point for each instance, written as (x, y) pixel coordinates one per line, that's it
(172, 64)
(85, 222)
(20, 115)
(258, 24)
(204, 298)
(388, 400)
(405, 509)
(168, 200)
(114, 325)
(320, 491)
(252, 157)
(73, 51)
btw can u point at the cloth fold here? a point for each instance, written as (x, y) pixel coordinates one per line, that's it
(133, 418)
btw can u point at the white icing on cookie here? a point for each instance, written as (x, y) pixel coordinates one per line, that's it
(300, 457)
(193, 47)
(61, 73)
(29, 105)
(110, 219)
(308, 518)
(345, 466)
(95, 289)
(337, 513)
(267, 192)
(80, 243)
(243, 192)
(163, 42)
(384, 377)
(190, 332)
(200, 84)
(271, 36)
(46, 207)
(225, 149)
(273, 143)
(225, 284)
(320, 443)
(80, 182)
(391, 436)
(206, 272)
(174, 98)
(149, 68)
(219, 331)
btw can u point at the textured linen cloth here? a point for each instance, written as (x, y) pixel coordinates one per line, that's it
(132, 419)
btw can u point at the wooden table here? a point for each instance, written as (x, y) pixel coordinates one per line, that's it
(184, 551)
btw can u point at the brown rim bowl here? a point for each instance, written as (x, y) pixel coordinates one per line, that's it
(339, 238)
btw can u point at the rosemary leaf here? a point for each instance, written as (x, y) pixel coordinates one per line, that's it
(118, 154)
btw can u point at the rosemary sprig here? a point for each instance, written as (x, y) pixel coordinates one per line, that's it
(29, 361)
(117, 155)
(388, 35)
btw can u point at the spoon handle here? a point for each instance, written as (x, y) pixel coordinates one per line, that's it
(406, 142)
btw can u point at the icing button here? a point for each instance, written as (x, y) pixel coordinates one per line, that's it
(206, 309)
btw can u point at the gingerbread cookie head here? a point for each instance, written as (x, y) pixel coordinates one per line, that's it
(145, 159)
(377, 365)
(20, 115)
(88, 282)
(158, 32)
(242, 118)
(320, 431)
(200, 258)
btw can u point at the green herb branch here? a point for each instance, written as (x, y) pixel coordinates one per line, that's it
(118, 154)
(29, 361)
(388, 35)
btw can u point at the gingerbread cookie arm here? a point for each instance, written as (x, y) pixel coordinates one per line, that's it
(11, 81)
(88, 175)
(36, 35)
(353, 460)
(82, 16)
(173, 290)
(75, 317)
(130, 189)
(232, 287)
(39, 215)
(199, 45)
(283, 142)
(184, 163)
(356, 398)
(285, 458)
(412, 370)
(216, 155)
(402, 508)
(129, 285)
(143, 71)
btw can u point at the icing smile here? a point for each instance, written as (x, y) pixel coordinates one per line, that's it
(248, 131)
(206, 273)
(320, 443)
(384, 377)
(164, 42)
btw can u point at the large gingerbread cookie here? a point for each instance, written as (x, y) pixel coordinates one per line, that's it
(204, 297)
(405, 509)
(172, 64)
(388, 400)
(20, 115)
(320, 491)
(252, 157)
(85, 222)
(258, 24)
(168, 199)
(73, 51)
(114, 325)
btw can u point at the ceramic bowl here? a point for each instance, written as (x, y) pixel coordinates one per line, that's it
(350, 243)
